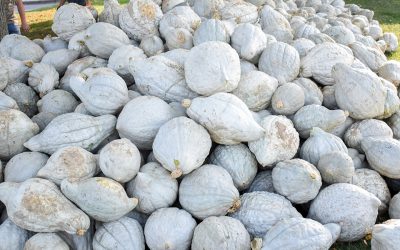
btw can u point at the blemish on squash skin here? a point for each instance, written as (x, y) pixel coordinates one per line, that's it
(106, 184)
(40, 204)
(148, 11)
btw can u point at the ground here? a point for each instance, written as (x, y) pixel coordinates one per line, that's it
(386, 11)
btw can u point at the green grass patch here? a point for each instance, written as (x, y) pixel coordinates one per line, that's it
(387, 12)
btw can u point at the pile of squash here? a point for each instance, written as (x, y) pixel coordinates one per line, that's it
(202, 124)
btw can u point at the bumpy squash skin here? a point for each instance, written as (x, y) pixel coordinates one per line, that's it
(208, 191)
(374, 183)
(169, 228)
(102, 198)
(39, 206)
(222, 233)
(340, 203)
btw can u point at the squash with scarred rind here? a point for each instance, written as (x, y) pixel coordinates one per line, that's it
(279, 142)
(69, 163)
(374, 183)
(140, 19)
(101, 198)
(39, 206)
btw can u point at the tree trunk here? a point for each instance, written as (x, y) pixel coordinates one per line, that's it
(3, 18)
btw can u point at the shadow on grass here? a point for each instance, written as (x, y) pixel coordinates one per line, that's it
(40, 30)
